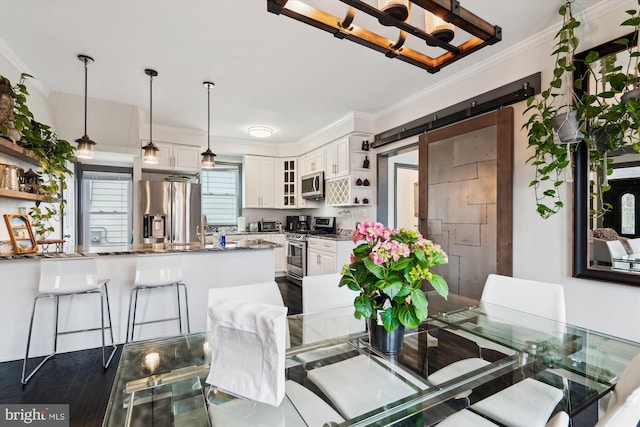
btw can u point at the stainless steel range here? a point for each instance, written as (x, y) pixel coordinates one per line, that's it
(297, 246)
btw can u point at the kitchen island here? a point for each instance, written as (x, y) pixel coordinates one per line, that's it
(204, 267)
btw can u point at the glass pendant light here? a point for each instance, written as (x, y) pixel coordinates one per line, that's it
(208, 157)
(84, 149)
(438, 27)
(150, 155)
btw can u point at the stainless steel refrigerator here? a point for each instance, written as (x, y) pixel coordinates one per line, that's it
(170, 211)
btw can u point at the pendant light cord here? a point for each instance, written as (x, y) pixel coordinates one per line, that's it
(85, 97)
(208, 117)
(151, 109)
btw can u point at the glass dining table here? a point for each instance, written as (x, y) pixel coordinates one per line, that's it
(335, 377)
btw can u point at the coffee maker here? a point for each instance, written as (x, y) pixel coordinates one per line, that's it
(298, 223)
(292, 223)
(304, 223)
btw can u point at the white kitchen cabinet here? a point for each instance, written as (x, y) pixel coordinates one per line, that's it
(313, 161)
(176, 157)
(337, 159)
(259, 182)
(354, 187)
(321, 257)
(327, 256)
(287, 182)
(280, 253)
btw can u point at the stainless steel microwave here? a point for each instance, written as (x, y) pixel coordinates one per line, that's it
(312, 186)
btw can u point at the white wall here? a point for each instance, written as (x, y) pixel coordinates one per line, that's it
(542, 249)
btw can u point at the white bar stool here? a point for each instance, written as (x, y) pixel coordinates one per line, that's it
(66, 277)
(154, 272)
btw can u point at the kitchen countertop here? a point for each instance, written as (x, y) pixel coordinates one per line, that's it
(154, 248)
(336, 237)
(230, 233)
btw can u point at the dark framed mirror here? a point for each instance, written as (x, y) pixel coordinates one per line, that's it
(600, 243)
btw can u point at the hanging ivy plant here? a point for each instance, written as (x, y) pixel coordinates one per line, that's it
(550, 158)
(606, 113)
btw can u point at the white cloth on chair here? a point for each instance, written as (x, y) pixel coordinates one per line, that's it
(527, 403)
(247, 342)
(360, 384)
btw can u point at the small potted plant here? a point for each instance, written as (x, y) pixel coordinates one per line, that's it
(387, 270)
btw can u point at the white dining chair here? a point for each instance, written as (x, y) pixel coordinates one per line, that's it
(467, 418)
(634, 244)
(156, 272)
(265, 292)
(623, 407)
(539, 298)
(321, 292)
(300, 404)
(63, 277)
(617, 250)
(361, 384)
(528, 296)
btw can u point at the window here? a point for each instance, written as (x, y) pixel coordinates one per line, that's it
(628, 212)
(221, 194)
(106, 222)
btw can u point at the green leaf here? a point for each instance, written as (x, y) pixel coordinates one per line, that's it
(375, 269)
(400, 264)
(420, 304)
(363, 306)
(591, 57)
(392, 287)
(390, 319)
(439, 284)
(407, 317)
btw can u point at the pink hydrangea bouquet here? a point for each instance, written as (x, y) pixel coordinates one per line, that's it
(388, 270)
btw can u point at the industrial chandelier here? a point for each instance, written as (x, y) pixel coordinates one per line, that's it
(441, 18)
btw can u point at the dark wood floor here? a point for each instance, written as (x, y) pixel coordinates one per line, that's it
(78, 379)
(292, 295)
(75, 378)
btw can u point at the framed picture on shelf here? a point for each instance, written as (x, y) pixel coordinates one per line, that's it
(21, 233)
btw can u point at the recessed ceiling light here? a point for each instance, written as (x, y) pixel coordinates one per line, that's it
(260, 131)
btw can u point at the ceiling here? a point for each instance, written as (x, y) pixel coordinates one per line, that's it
(267, 69)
